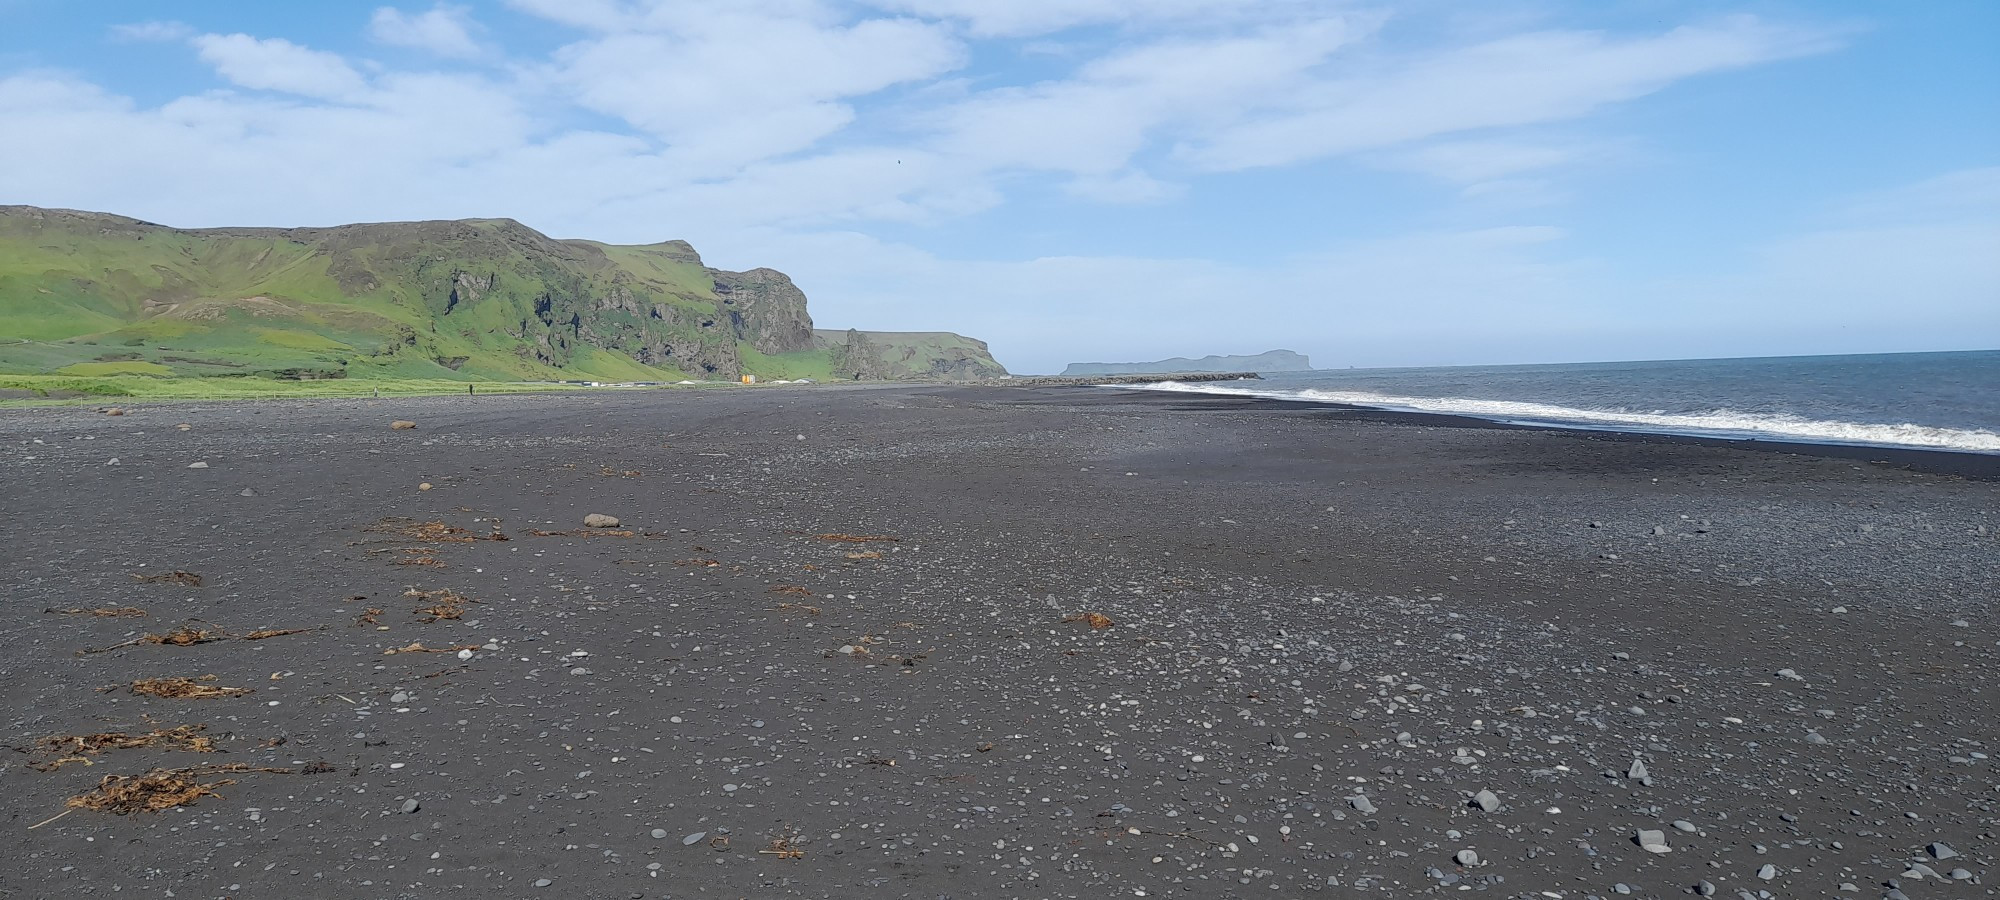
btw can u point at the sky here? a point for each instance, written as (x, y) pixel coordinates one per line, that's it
(1428, 182)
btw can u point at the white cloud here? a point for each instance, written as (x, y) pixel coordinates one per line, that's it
(1520, 80)
(444, 29)
(1017, 18)
(276, 64)
(153, 32)
(731, 88)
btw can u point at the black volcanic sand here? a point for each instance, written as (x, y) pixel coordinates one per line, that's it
(1333, 629)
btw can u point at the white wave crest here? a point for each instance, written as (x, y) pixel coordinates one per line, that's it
(1721, 423)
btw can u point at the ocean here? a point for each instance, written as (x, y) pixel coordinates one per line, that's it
(1935, 401)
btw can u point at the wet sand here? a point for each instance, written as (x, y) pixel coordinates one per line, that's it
(1332, 629)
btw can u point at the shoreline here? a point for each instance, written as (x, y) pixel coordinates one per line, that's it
(1966, 463)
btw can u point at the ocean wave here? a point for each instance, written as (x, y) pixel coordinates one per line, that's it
(1721, 423)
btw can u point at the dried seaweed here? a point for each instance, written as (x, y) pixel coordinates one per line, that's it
(1094, 620)
(430, 532)
(105, 612)
(190, 635)
(443, 603)
(584, 532)
(791, 589)
(698, 563)
(186, 688)
(160, 789)
(799, 607)
(369, 616)
(185, 579)
(63, 749)
(275, 632)
(865, 554)
(857, 538)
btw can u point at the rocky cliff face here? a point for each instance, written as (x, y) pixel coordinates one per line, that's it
(766, 309)
(477, 298)
(1271, 361)
(908, 355)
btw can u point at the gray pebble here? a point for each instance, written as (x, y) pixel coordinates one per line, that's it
(411, 805)
(659, 834)
(1467, 858)
(1940, 851)
(693, 839)
(1486, 800)
(1768, 872)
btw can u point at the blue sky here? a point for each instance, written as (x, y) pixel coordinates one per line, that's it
(1418, 183)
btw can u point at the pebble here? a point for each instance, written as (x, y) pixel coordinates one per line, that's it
(402, 425)
(1768, 872)
(246, 492)
(411, 805)
(199, 465)
(659, 834)
(579, 670)
(539, 882)
(693, 839)
(600, 520)
(1361, 805)
(1653, 841)
(1940, 851)
(1814, 737)
(1684, 825)
(1486, 800)
(1467, 858)
(1637, 772)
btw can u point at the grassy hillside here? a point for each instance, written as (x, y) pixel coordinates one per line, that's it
(93, 295)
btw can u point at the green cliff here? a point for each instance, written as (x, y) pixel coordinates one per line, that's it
(480, 299)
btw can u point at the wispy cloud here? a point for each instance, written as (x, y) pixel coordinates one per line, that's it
(444, 29)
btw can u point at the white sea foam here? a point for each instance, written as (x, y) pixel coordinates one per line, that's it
(1721, 423)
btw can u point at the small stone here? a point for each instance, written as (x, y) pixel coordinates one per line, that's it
(1486, 800)
(659, 834)
(398, 697)
(579, 670)
(1768, 872)
(411, 805)
(1622, 888)
(1653, 841)
(1361, 805)
(1961, 875)
(183, 427)
(1814, 737)
(1684, 825)
(693, 839)
(1705, 888)
(112, 461)
(539, 882)
(1637, 772)
(729, 789)
(199, 465)
(1467, 858)
(246, 492)
(424, 487)
(113, 411)
(402, 425)
(1790, 675)
(1940, 851)
(600, 520)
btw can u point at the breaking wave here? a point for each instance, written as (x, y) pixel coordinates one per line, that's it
(1721, 423)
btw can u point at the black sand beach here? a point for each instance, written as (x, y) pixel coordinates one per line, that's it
(838, 647)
